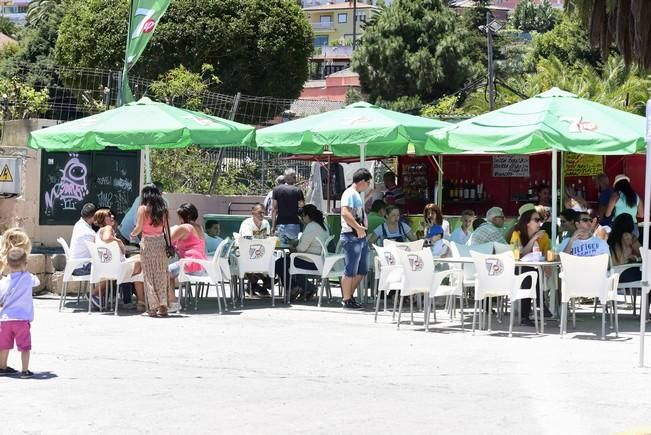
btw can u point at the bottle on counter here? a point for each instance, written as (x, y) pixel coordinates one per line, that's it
(529, 189)
(579, 191)
(473, 190)
(466, 190)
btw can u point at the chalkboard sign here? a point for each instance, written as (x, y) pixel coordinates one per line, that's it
(583, 165)
(510, 166)
(69, 180)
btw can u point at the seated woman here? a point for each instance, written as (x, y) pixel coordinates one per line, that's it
(527, 233)
(189, 240)
(314, 229)
(432, 215)
(105, 220)
(624, 248)
(393, 229)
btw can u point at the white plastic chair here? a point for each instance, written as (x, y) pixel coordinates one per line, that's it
(501, 248)
(495, 277)
(333, 268)
(389, 275)
(416, 245)
(213, 275)
(588, 277)
(459, 251)
(71, 265)
(107, 264)
(256, 256)
(316, 259)
(419, 276)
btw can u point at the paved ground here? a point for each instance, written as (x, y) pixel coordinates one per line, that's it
(308, 370)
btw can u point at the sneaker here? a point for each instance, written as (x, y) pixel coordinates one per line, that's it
(96, 303)
(26, 374)
(350, 304)
(8, 371)
(261, 291)
(527, 322)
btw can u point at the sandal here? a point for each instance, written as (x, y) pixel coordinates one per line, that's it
(162, 311)
(149, 314)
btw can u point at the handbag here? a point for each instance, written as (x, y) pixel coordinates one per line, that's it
(170, 250)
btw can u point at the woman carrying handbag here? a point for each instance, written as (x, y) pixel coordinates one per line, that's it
(152, 222)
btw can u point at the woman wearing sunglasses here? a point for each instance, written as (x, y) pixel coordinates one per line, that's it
(527, 233)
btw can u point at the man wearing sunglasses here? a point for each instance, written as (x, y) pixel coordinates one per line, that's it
(583, 242)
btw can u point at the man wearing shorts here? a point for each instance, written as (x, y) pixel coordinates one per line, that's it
(353, 237)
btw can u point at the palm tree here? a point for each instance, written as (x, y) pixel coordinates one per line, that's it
(626, 23)
(40, 9)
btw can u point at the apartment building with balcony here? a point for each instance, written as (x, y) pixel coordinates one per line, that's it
(332, 24)
(14, 10)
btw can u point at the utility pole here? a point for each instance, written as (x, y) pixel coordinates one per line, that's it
(354, 24)
(491, 73)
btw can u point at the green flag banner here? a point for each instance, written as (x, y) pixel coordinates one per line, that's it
(143, 19)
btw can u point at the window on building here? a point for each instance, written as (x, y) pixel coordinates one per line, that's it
(325, 19)
(321, 40)
(342, 18)
(361, 18)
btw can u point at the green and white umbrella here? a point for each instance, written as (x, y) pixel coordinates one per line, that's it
(554, 119)
(357, 130)
(140, 125)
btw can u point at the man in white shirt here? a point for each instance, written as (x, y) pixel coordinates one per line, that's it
(583, 243)
(256, 227)
(353, 237)
(83, 232)
(462, 234)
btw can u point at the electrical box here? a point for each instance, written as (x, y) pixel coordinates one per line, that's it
(10, 175)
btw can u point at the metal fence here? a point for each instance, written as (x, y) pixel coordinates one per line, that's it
(75, 92)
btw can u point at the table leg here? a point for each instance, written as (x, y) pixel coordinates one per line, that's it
(541, 286)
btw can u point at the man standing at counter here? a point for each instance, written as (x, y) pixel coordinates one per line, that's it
(490, 231)
(394, 194)
(353, 237)
(287, 200)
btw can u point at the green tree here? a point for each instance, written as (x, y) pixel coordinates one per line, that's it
(39, 10)
(258, 47)
(413, 48)
(530, 16)
(568, 42)
(7, 27)
(21, 101)
(180, 87)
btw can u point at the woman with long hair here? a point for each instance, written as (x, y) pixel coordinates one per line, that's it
(190, 242)
(314, 229)
(105, 221)
(527, 233)
(432, 215)
(624, 247)
(151, 221)
(624, 200)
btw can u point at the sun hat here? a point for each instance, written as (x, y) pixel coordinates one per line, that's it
(434, 230)
(494, 212)
(525, 208)
(619, 178)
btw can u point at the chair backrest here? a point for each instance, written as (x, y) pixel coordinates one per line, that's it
(416, 245)
(257, 256)
(324, 245)
(223, 252)
(501, 248)
(388, 255)
(495, 274)
(584, 276)
(106, 262)
(418, 267)
(64, 245)
(482, 248)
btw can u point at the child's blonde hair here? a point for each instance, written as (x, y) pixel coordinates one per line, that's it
(16, 258)
(13, 238)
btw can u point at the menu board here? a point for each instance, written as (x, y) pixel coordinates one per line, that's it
(583, 165)
(70, 180)
(510, 166)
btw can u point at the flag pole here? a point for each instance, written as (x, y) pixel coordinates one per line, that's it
(124, 83)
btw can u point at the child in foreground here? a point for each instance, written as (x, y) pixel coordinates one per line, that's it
(16, 312)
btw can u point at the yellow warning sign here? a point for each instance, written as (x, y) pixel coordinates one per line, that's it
(5, 175)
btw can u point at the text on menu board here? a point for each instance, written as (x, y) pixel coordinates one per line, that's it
(583, 165)
(510, 166)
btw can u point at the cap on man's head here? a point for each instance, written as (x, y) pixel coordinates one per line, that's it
(525, 208)
(434, 230)
(494, 212)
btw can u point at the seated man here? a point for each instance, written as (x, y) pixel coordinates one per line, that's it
(583, 242)
(568, 218)
(83, 232)
(212, 237)
(462, 234)
(377, 216)
(491, 230)
(256, 227)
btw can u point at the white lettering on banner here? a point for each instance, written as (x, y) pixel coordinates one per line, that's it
(510, 166)
(104, 199)
(144, 24)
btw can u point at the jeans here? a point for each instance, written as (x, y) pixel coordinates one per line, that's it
(287, 232)
(356, 254)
